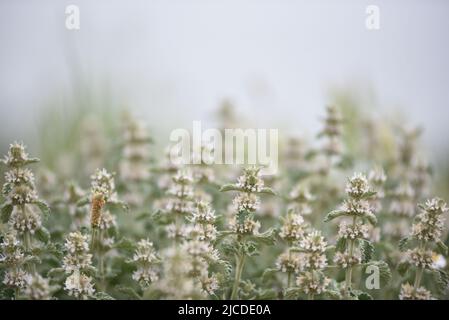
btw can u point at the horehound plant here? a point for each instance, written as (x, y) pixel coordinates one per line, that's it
(78, 212)
(180, 205)
(201, 248)
(311, 279)
(291, 231)
(175, 282)
(332, 134)
(425, 237)
(353, 249)
(134, 165)
(103, 222)
(244, 229)
(77, 263)
(13, 260)
(23, 208)
(300, 201)
(147, 262)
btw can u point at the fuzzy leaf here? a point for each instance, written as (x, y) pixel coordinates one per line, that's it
(268, 274)
(367, 249)
(341, 244)
(441, 248)
(250, 249)
(229, 187)
(129, 292)
(334, 214)
(267, 190)
(43, 207)
(364, 296)
(43, 235)
(369, 194)
(403, 267)
(102, 296)
(292, 293)
(371, 218)
(333, 294)
(125, 244)
(83, 201)
(6, 211)
(55, 273)
(266, 238)
(403, 243)
(441, 279)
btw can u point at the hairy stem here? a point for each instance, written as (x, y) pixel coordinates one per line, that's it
(240, 261)
(348, 277)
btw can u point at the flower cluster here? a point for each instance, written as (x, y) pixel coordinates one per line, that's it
(180, 206)
(38, 288)
(13, 258)
(300, 200)
(247, 202)
(312, 280)
(332, 131)
(77, 263)
(146, 260)
(203, 219)
(135, 153)
(22, 205)
(358, 210)
(426, 231)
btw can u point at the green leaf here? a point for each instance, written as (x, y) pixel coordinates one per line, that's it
(369, 194)
(250, 249)
(341, 244)
(102, 296)
(441, 248)
(403, 243)
(292, 293)
(43, 207)
(333, 294)
(367, 249)
(269, 274)
(371, 218)
(267, 190)
(43, 235)
(229, 187)
(125, 244)
(129, 292)
(6, 211)
(334, 214)
(83, 201)
(266, 238)
(361, 295)
(55, 273)
(403, 267)
(441, 280)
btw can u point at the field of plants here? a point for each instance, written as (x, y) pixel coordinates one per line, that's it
(354, 213)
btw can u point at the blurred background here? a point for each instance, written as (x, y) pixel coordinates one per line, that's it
(172, 62)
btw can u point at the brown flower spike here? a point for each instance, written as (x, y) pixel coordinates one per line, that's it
(97, 205)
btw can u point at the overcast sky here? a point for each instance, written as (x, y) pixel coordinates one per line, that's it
(174, 60)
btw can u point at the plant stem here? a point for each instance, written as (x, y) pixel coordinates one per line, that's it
(240, 261)
(348, 277)
(419, 272)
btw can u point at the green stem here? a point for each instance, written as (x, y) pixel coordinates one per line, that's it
(348, 276)
(420, 271)
(240, 261)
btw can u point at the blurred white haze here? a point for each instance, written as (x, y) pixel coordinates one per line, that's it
(173, 61)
